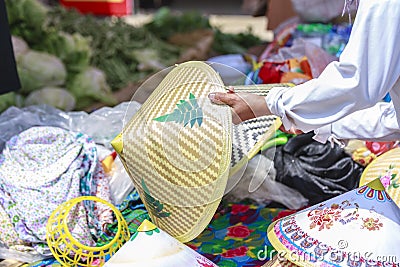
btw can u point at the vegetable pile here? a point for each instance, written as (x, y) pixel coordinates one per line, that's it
(114, 44)
(166, 24)
(82, 59)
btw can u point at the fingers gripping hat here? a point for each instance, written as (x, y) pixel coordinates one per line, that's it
(353, 229)
(177, 149)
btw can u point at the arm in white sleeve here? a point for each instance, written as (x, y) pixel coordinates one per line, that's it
(377, 123)
(367, 69)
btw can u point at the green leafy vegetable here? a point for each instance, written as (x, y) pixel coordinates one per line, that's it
(53, 96)
(90, 86)
(20, 47)
(26, 19)
(225, 43)
(124, 53)
(114, 43)
(73, 49)
(166, 23)
(10, 99)
(39, 69)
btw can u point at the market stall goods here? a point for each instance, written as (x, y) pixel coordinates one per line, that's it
(68, 249)
(152, 247)
(353, 229)
(386, 168)
(41, 168)
(177, 150)
(318, 171)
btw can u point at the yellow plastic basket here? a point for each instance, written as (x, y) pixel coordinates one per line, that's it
(69, 251)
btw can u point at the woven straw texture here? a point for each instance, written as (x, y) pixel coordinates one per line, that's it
(386, 164)
(177, 147)
(259, 89)
(249, 136)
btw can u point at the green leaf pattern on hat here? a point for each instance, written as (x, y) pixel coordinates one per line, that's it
(154, 205)
(187, 111)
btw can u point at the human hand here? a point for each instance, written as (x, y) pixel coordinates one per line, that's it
(292, 130)
(244, 106)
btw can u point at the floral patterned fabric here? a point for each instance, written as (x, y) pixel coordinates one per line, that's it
(8, 236)
(236, 237)
(134, 213)
(341, 230)
(42, 168)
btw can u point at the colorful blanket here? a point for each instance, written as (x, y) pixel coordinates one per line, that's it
(236, 236)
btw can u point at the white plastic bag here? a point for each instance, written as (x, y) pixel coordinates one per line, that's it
(120, 183)
(318, 10)
(104, 124)
(257, 183)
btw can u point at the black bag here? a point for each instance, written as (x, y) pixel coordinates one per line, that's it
(9, 80)
(316, 170)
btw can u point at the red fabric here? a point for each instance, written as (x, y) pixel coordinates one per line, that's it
(285, 213)
(271, 72)
(379, 148)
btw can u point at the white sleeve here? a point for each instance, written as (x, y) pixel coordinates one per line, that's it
(367, 69)
(378, 123)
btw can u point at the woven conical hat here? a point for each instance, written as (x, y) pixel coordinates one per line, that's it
(178, 149)
(152, 247)
(358, 228)
(387, 164)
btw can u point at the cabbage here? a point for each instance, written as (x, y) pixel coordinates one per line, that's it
(149, 59)
(90, 86)
(8, 100)
(30, 12)
(52, 96)
(26, 19)
(20, 47)
(74, 50)
(38, 69)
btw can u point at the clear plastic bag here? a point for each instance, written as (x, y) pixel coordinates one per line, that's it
(318, 10)
(120, 183)
(102, 125)
(257, 183)
(31, 256)
(16, 120)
